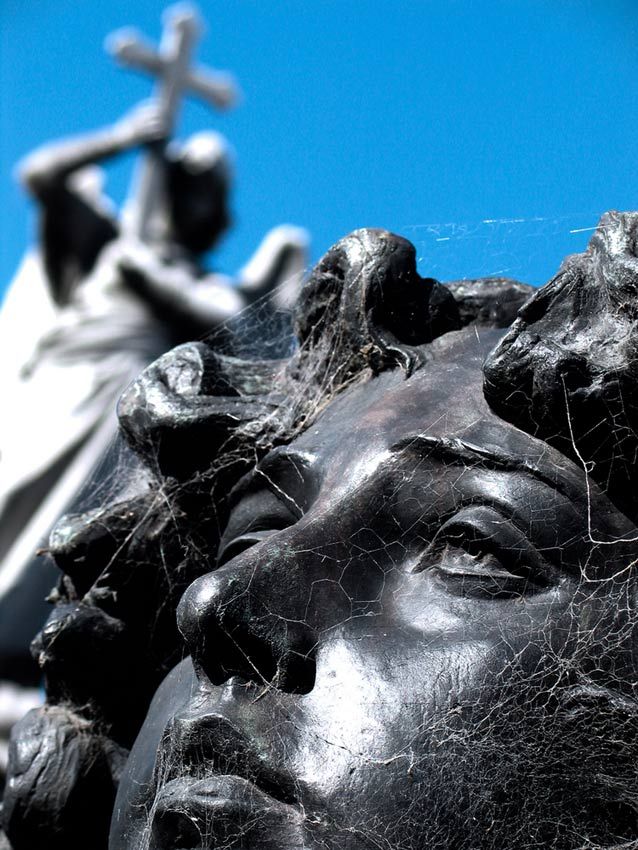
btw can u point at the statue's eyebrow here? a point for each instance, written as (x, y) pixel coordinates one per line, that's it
(281, 464)
(453, 450)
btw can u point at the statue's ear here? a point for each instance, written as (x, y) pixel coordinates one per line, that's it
(364, 305)
(567, 371)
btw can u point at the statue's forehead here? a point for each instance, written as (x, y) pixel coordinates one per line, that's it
(444, 401)
(443, 398)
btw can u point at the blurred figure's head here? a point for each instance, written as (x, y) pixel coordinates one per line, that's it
(199, 178)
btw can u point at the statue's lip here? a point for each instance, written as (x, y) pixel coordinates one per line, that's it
(224, 791)
(213, 811)
(208, 745)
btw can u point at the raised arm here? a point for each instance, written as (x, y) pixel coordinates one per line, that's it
(73, 229)
(190, 304)
(278, 264)
(48, 167)
(199, 304)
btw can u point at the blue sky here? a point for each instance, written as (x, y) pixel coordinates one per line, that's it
(492, 133)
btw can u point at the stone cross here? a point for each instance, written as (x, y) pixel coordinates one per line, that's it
(171, 67)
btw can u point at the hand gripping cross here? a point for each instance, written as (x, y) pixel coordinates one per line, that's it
(170, 65)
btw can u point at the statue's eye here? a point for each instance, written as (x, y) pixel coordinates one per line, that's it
(253, 519)
(481, 552)
(239, 544)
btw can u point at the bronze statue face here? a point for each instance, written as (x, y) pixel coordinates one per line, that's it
(416, 632)
(409, 614)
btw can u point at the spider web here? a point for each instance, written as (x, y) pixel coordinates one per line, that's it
(521, 732)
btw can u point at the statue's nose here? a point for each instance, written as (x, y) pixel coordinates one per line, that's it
(249, 619)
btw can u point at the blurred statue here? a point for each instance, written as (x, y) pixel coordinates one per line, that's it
(393, 578)
(121, 292)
